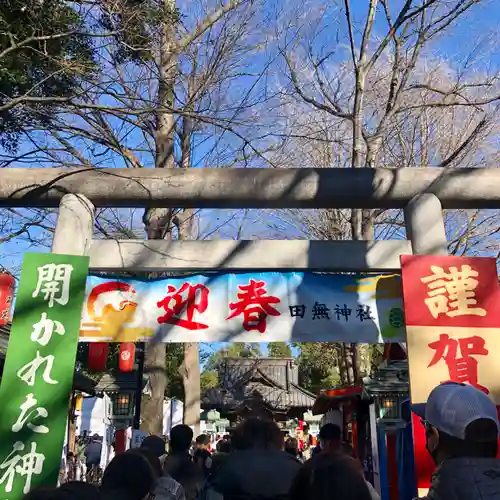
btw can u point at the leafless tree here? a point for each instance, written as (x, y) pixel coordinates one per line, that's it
(364, 88)
(163, 99)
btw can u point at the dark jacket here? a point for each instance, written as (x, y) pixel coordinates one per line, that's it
(256, 475)
(466, 479)
(182, 468)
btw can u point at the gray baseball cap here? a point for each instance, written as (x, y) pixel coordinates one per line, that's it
(452, 406)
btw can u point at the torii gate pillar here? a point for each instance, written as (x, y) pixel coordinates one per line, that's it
(425, 225)
(75, 224)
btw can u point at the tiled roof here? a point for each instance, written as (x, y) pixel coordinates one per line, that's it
(280, 370)
(274, 396)
(271, 379)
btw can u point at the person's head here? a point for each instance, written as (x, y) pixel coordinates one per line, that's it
(257, 433)
(223, 446)
(329, 437)
(459, 421)
(203, 442)
(292, 446)
(43, 493)
(78, 490)
(330, 476)
(156, 445)
(153, 459)
(73, 490)
(131, 474)
(181, 437)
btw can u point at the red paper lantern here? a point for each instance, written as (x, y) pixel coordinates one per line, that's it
(6, 294)
(127, 357)
(98, 354)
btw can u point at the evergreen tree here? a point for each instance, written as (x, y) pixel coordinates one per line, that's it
(45, 51)
(279, 350)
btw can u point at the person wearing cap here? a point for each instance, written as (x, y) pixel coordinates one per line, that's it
(167, 488)
(461, 427)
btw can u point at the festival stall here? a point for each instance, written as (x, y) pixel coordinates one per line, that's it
(370, 417)
(348, 408)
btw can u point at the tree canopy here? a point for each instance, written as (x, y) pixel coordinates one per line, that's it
(318, 365)
(279, 350)
(45, 49)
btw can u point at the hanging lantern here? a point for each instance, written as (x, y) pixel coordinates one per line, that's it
(98, 354)
(127, 357)
(6, 293)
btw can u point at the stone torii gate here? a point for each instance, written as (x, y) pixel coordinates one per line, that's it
(422, 193)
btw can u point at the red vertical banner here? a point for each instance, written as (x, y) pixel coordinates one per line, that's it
(120, 441)
(7, 283)
(127, 357)
(452, 312)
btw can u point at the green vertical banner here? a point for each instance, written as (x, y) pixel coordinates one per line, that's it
(38, 374)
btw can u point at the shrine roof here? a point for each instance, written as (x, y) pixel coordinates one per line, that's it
(274, 380)
(388, 378)
(274, 396)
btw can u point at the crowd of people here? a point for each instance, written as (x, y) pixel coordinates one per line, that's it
(255, 463)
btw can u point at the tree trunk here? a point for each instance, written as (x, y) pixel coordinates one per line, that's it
(158, 220)
(361, 220)
(190, 371)
(190, 368)
(152, 403)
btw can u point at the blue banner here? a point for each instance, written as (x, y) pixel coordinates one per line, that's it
(256, 307)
